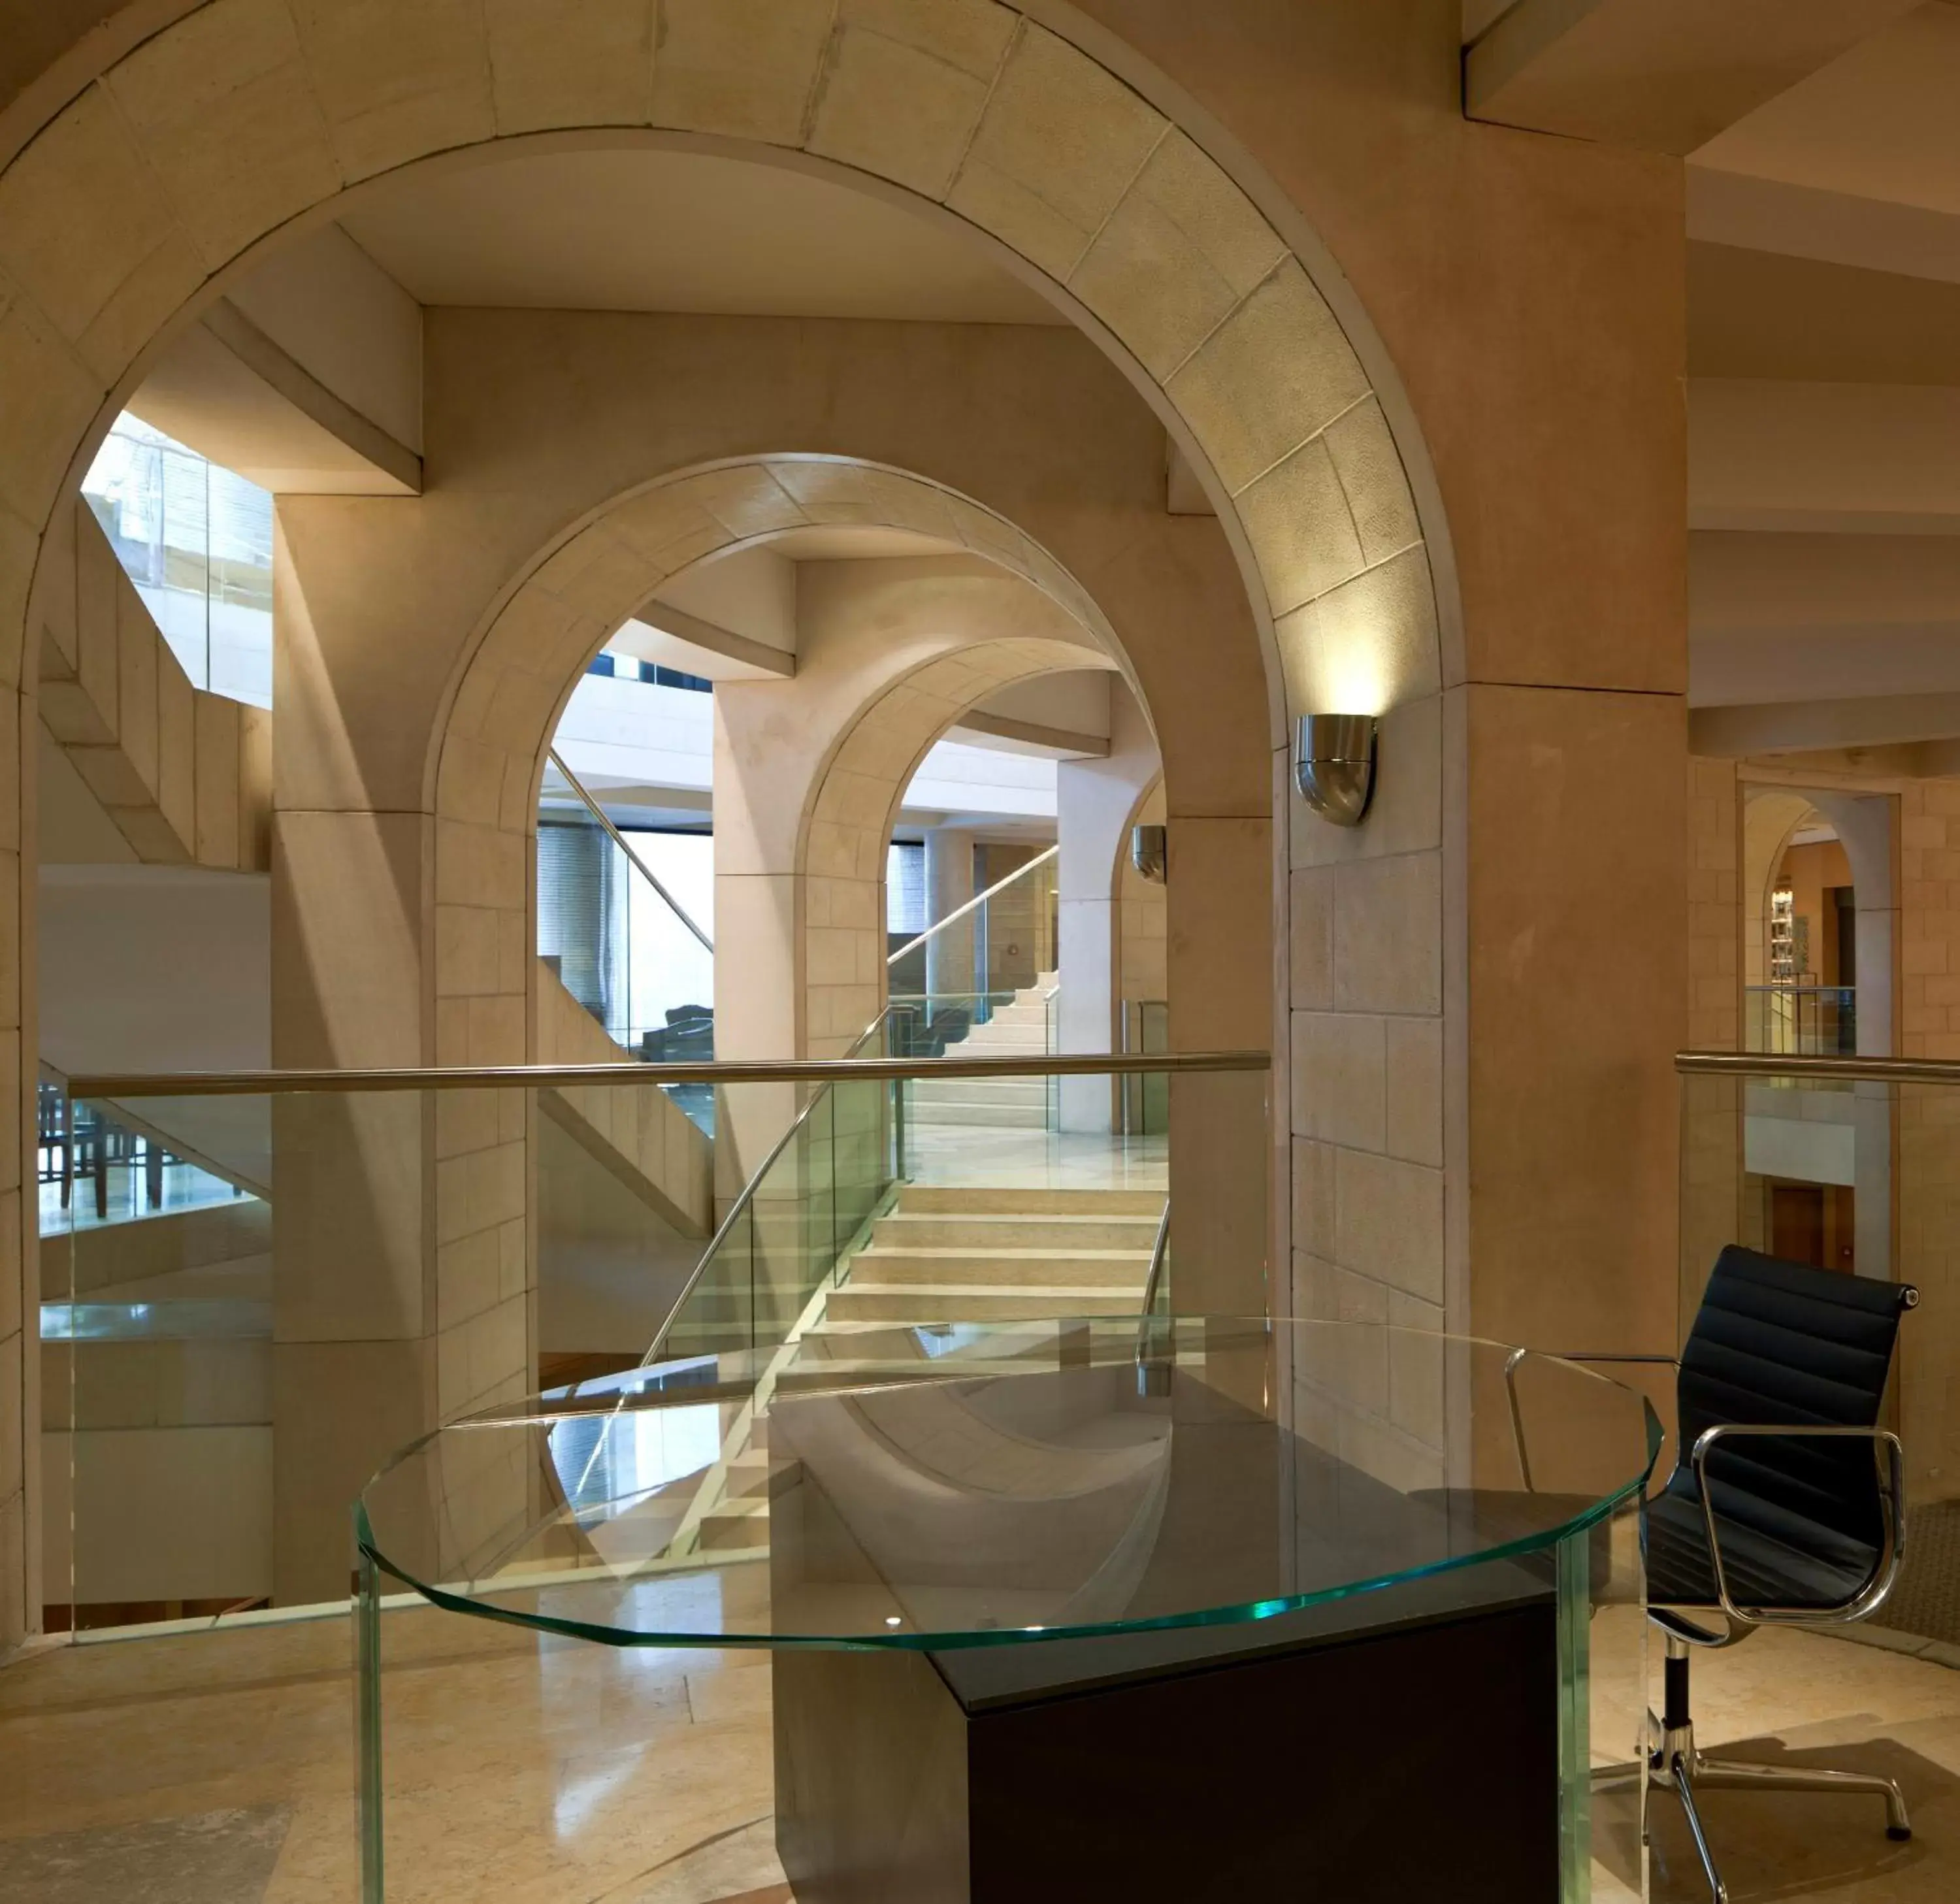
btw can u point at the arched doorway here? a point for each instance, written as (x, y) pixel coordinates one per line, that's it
(233, 125)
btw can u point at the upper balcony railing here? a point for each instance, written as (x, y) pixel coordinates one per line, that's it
(1801, 1020)
(1849, 1164)
(587, 1197)
(196, 540)
(623, 942)
(1002, 941)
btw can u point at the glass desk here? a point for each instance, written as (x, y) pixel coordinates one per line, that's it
(964, 1544)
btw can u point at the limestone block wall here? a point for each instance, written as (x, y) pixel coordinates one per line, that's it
(1366, 988)
(1928, 1135)
(185, 775)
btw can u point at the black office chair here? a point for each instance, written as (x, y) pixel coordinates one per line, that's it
(1775, 1514)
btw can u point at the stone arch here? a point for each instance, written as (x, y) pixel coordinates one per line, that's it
(487, 758)
(848, 826)
(1769, 816)
(240, 121)
(237, 122)
(1865, 824)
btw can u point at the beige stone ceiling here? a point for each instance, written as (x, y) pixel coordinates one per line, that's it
(669, 231)
(1824, 361)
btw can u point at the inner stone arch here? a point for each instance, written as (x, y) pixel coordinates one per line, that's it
(848, 828)
(487, 758)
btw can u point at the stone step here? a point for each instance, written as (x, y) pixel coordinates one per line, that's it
(1009, 1268)
(980, 1090)
(752, 1473)
(1015, 1200)
(998, 1115)
(741, 1522)
(955, 1303)
(905, 1229)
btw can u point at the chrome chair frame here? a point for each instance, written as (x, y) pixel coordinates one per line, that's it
(1674, 1760)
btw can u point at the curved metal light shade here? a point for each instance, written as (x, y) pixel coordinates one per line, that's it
(1333, 765)
(1150, 853)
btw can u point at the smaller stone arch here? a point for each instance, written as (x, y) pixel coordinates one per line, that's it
(487, 760)
(849, 825)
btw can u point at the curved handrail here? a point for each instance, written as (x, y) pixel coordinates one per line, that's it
(1154, 1280)
(746, 1197)
(977, 899)
(1158, 1249)
(618, 838)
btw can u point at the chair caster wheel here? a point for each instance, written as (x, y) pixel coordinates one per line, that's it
(1900, 1832)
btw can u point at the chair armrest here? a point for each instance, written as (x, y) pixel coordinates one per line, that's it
(1511, 1364)
(1871, 1596)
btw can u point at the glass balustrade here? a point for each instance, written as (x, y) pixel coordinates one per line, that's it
(1000, 945)
(1017, 1500)
(636, 956)
(196, 540)
(1801, 1020)
(328, 1271)
(1146, 1029)
(1851, 1165)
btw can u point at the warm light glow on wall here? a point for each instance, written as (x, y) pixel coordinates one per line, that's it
(1352, 676)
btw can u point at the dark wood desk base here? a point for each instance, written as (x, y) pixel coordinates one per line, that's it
(1395, 1745)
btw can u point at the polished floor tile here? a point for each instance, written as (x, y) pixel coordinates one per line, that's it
(522, 1770)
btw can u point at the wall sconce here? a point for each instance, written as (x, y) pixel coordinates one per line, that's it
(1333, 765)
(1149, 853)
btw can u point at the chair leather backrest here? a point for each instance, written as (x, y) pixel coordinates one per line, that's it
(1777, 1341)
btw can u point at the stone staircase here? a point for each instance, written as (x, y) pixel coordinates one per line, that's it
(958, 1254)
(949, 1254)
(1017, 1029)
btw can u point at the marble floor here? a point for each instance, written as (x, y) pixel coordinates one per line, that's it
(218, 1768)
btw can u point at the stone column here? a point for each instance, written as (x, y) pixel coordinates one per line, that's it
(949, 960)
(758, 923)
(402, 1282)
(1096, 801)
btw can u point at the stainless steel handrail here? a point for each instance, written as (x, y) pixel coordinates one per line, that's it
(784, 1070)
(1769, 1064)
(1155, 1278)
(978, 899)
(1153, 1282)
(746, 1197)
(646, 872)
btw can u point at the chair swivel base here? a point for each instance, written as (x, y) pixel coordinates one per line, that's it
(1677, 1764)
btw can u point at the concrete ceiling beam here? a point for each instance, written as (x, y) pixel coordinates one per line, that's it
(306, 379)
(1663, 75)
(1809, 727)
(1770, 454)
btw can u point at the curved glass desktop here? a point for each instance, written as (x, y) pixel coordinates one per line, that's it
(1058, 1523)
